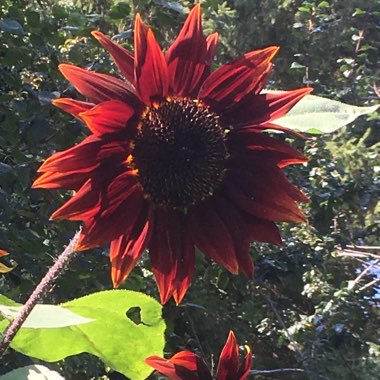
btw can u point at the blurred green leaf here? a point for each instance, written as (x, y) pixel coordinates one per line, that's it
(32, 372)
(11, 26)
(314, 114)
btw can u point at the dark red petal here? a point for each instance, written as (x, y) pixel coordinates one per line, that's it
(83, 205)
(122, 202)
(187, 58)
(245, 367)
(211, 236)
(229, 359)
(151, 72)
(108, 117)
(250, 146)
(98, 87)
(169, 249)
(259, 198)
(268, 178)
(262, 230)
(232, 82)
(239, 231)
(274, 127)
(123, 58)
(185, 267)
(74, 107)
(127, 248)
(263, 108)
(182, 366)
(70, 180)
(212, 44)
(86, 156)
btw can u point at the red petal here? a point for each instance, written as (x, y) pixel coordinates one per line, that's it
(261, 199)
(83, 205)
(151, 72)
(212, 237)
(263, 230)
(263, 108)
(127, 249)
(56, 180)
(123, 58)
(108, 117)
(239, 231)
(245, 366)
(229, 359)
(185, 267)
(268, 177)
(232, 82)
(182, 366)
(212, 44)
(85, 156)
(270, 126)
(98, 87)
(75, 107)
(170, 250)
(188, 57)
(251, 146)
(122, 202)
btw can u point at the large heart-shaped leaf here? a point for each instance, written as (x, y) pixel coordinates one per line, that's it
(128, 327)
(317, 115)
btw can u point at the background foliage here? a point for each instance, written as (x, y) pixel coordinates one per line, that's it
(303, 309)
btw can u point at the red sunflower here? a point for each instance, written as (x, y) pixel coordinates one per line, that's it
(177, 157)
(187, 366)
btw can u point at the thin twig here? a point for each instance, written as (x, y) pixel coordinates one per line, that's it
(278, 316)
(362, 274)
(40, 291)
(373, 282)
(365, 247)
(192, 326)
(270, 371)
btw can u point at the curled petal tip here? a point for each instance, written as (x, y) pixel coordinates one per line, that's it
(273, 50)
(97, 34)
(231, 336)
(64, 66)
(138, 19)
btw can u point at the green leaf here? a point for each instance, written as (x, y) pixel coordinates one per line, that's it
(11, 26)
(317, 115)
(32, 372)
(6, 301)
(45, 316)
(118, 341)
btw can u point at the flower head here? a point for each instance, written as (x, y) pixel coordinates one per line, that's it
(176, 157)
(187, 366)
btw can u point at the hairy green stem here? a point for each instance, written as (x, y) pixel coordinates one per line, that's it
(39, 292)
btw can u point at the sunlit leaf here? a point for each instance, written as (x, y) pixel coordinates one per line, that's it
(46, 316)
(115, 338)
(317, 115)
(32, 372)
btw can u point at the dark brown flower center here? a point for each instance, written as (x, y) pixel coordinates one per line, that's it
(179, 153)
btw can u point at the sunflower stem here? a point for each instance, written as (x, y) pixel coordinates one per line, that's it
(39, 292)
